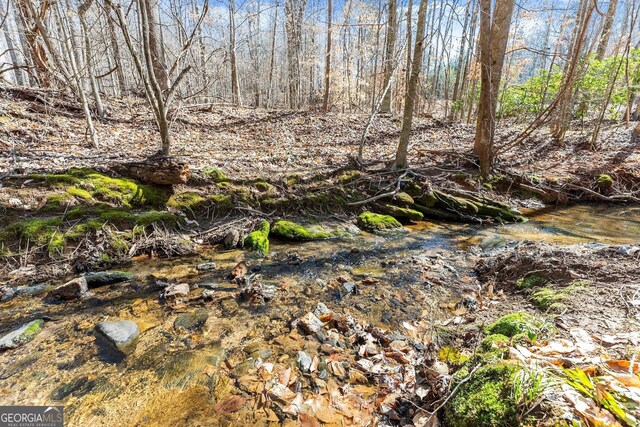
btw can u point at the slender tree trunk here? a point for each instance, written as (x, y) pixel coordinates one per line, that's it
(17, 71)
(155, 45)
(115, 46)
(494, 34)
(560, 124)
(410, 97)
(82, 10)
(390, 45)
(327, 58)
(235, 86)
(273, 54)
(606, 29)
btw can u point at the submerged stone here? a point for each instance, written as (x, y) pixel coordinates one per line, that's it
(304, 361)
(22, 335)
(191, 321)
(206, 266)
(73, 289)
(103, 278)
(117, 340)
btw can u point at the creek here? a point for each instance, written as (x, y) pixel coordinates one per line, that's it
(176, 374)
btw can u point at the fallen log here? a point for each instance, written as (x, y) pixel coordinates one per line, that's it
(155, 170)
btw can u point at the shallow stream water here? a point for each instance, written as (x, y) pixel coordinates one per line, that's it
(176, 375)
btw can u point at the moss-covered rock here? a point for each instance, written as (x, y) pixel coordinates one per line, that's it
(21, 335)
(258, 240)
(375, 222)
(216, 174)
(486, 399)
(604, 181)
(187, 200)
(289, 230)
(401, 213)
(513, 324)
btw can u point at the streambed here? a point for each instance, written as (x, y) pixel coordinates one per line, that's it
(177, 375)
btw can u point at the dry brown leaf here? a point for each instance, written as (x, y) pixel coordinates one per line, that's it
(229, 405)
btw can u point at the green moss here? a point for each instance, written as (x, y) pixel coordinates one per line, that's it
(550, 299)
(493, 342)
(79, 231)
(56, 244)
(186, 201)
(403, 213)
(117, 216)
(348, 176)
(239, 192)
(513, 324)
(147, 218)
(604, 181)
(36, 230)
(221, 200)
(451, 356)
(57, 202)
(375, 222)
(486, 399)
(403, 199)
(531, 280)
(216, 174)
(258, 240)
(119, 243)
(288, 230)
(79, 192)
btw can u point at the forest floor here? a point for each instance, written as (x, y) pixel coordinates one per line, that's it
(411, 314)
(250, 143)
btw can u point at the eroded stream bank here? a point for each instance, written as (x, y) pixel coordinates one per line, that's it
(390, 304)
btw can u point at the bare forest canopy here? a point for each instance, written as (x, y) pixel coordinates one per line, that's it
(540, 63)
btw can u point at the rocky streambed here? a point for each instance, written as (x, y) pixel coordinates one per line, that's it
(363, 329)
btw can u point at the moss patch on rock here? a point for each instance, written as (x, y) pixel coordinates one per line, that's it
(216, 174)
(514, 323)
(258, 240)
(289, 230)
(604, 181)
(401, 213)
(486, 399)
(376, 222)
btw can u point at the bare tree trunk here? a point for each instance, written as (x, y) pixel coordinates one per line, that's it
(494, 34)
(155, 44)
(560, 124)
(17, 71)
(117, 58)
(235, 87)
(390, 45)
(31, 31)
(82, 10)
(294, 10)
(410, 97)
(327, 62)
(460, 65)
(606, 29)
(273, 55)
